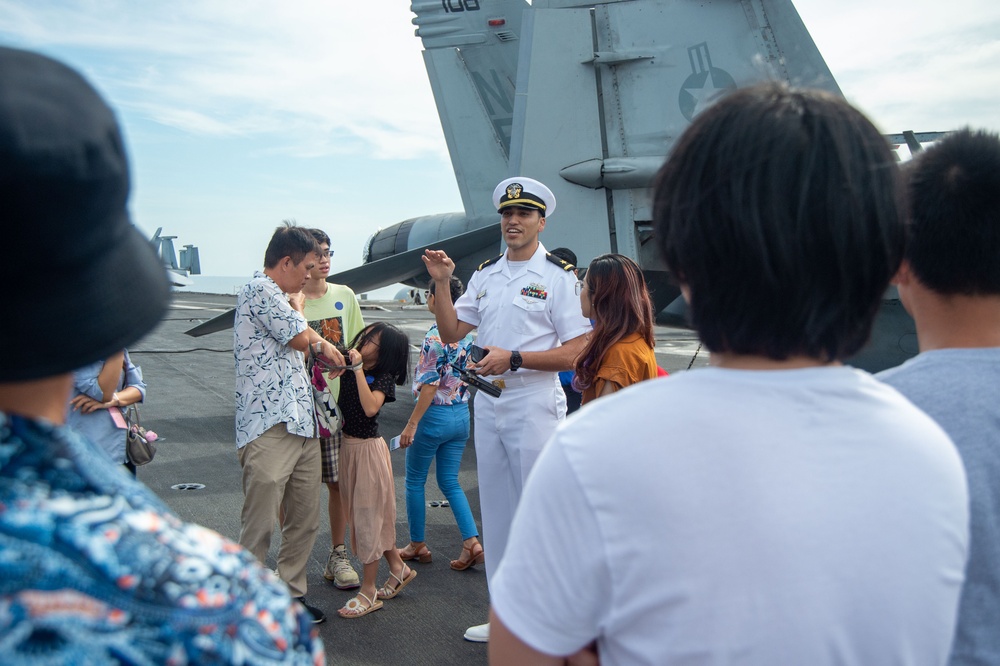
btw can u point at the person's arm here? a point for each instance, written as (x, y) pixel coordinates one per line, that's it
(310, 338)
(123, 398)
(424, 401)
(506, 648)
(103, 385)
(110, 375)
(301, 341)
(371, 401)
(450, 327)
(608, 388)
(562, 357)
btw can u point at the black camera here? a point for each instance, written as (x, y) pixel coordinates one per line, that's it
(476, 354)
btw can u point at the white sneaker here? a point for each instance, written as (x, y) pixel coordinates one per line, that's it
(479, 633)
(339, 569)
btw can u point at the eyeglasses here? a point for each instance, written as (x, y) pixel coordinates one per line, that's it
(580, 286)
(325, 253)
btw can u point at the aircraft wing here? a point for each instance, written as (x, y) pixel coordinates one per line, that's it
(406, 265)
(178, 279)
(473, 244)
(223, 322)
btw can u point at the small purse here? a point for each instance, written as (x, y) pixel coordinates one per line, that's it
(139, 448)
(139, 443)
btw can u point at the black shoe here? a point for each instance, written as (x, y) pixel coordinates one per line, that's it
(318, 616)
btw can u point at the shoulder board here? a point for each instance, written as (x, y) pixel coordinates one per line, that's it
(561, 263)
(489, 262)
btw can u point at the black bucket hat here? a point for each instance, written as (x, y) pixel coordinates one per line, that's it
(80, 281)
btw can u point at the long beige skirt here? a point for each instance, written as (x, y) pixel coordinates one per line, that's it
(369, 496)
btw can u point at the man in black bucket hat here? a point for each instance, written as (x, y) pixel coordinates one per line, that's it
(93, 567)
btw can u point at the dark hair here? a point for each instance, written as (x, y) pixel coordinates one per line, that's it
(393, 350)
(289, 241)
(780, 209)
(455, 286)
(320, 236)
(565, 254)
(953, 189)
(619, 306)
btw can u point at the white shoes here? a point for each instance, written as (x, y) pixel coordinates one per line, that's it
(339, 569)
(479, 633)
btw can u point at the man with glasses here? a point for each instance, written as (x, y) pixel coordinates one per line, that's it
(530, 322)
(332, 310)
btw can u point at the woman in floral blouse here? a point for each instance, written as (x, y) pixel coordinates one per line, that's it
(438, 429)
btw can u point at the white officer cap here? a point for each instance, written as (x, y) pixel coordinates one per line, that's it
(525, 193)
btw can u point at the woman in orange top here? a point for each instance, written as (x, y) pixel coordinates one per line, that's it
(619, 352)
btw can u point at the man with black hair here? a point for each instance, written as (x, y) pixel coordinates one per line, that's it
(275, 420)
(529, 319)
(94, 568)
(777, 507)
(332, 310)
(950, 283)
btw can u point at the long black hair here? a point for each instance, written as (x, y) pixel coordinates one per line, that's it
(393, 350)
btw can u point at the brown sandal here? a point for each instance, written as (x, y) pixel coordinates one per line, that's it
(476, 556)
(422, 554)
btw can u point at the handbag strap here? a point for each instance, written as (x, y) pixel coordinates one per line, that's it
(131, 414)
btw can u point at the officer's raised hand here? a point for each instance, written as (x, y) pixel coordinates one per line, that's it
(439, 264)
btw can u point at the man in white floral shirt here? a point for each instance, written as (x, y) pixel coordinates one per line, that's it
(275, 428)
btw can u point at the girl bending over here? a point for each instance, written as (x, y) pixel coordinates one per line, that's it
(380, 357)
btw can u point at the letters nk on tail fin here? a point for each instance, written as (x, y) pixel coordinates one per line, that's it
(471, 55)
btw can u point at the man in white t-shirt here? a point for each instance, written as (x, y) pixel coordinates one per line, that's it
(778, 507)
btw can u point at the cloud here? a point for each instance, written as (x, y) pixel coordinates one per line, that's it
(329, 76)
(911, 65)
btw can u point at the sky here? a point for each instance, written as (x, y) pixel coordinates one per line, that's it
(239, 114)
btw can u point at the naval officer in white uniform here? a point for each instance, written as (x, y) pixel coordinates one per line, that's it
(528, 315)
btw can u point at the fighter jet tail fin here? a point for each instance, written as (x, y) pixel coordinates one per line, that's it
(471, 54)
(605, 88)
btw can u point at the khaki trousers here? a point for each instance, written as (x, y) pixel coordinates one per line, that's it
(281, 469)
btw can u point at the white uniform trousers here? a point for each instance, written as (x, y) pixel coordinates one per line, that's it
(510, 433)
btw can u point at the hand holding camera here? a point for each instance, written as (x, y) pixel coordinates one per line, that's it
(477, 354)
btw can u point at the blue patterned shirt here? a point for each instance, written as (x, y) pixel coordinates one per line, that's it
(94, 569)
(272, 386)
(440, 365)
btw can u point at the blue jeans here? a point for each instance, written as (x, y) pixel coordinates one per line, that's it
(441, 434)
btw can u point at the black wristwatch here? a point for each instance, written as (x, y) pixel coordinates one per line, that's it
(515, 361)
